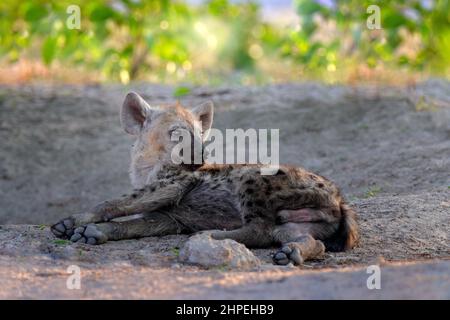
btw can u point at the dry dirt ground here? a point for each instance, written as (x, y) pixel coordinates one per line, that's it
(62, 151)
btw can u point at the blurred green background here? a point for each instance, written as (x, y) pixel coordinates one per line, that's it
(223, 41)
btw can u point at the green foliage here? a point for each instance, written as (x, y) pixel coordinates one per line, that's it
(181, 91)
(61, 242)
(401, 21)
(171, 40)
(49, 49)
(372, 192)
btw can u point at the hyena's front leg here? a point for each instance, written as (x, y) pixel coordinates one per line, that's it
(104, 211)
(158, 224)
(146, 200)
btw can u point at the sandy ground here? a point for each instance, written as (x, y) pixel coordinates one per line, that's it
(62, 151)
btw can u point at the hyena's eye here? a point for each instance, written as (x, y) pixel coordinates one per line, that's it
(175, 132)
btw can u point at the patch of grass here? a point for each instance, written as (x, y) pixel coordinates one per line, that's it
(181, 91)
(42, 226)
(61, 242)
(175, 251)
(372, 192)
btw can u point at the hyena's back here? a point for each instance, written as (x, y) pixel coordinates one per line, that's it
(223, 193)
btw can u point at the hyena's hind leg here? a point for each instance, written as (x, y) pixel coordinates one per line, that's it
(255, 234)
(158, 224)
(306, 215)
(297, 242)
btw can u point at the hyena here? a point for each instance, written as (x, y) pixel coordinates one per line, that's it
(299, 210)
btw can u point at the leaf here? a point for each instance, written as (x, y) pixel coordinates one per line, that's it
(35, 12)
(181, 91)
(307, 8)
(49, 50)
(393, 20)
(101, 13)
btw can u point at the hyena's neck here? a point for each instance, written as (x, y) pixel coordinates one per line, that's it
(143, 175)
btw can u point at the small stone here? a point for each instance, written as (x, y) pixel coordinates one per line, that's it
(203, 250)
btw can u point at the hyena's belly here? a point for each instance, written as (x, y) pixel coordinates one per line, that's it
(209, 207)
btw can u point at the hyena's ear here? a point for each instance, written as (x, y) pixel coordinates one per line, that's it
(134, 112)
(204, 113)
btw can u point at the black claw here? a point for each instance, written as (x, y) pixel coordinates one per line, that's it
(69, 233)
(68, 223)
(59, 230)
(58, 234)
(59, 227)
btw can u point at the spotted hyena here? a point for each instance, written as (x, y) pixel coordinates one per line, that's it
(299, 210)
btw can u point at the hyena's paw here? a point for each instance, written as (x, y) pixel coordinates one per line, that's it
(89, 234)
(288, 253)
(297, 252)
(64, 229)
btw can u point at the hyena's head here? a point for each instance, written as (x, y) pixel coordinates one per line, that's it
(154, 129)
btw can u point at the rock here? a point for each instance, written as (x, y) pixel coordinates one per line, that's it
(204, 251)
